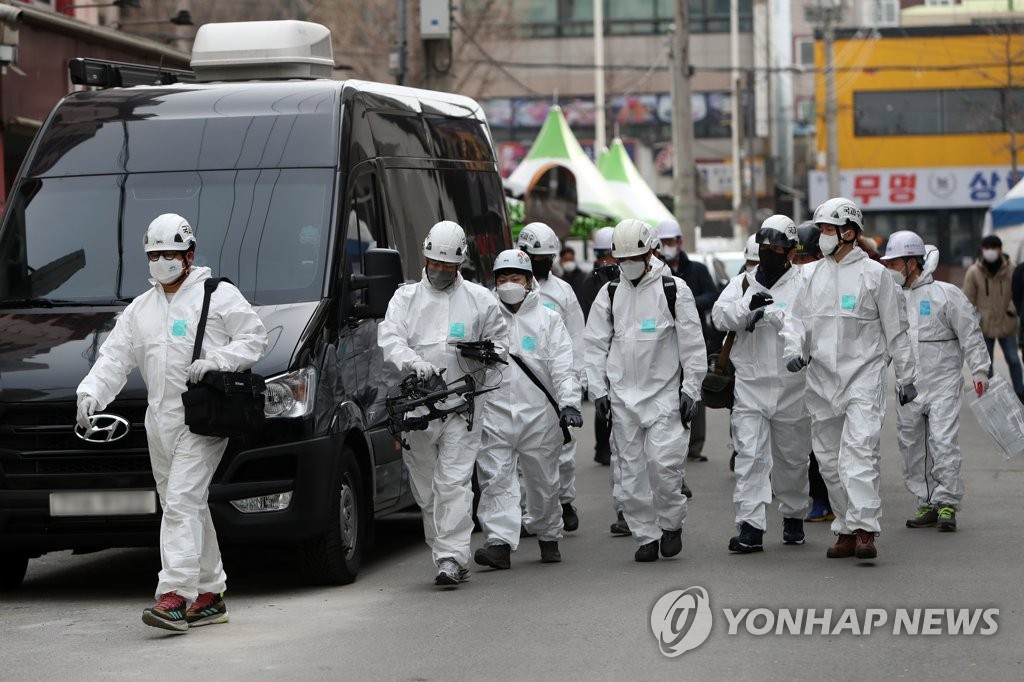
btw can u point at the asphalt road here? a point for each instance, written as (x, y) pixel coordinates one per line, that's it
(586, 618)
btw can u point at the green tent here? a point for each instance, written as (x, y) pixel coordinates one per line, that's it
(556, 147)
(629, 186)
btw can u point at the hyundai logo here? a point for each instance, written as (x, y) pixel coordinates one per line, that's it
(103, 428)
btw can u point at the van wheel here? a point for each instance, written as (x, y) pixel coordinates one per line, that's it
(12, 569)
(334, 558)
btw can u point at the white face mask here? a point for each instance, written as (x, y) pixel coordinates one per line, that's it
(991, 255)
(751, 268)
(828, 243)
(632, 269)
(898, 277)
(669, 252)
(511, 293)
(569, 266)
(165, 271)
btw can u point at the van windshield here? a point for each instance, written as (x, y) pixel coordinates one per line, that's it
(78, 240)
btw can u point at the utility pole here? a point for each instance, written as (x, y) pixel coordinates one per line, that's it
(684, 190)
(397, 56)
(832, 150)
(599, 111)
(737, 121)
(827, 13)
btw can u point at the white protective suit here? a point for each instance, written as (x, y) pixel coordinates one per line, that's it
(423, 323)
(849, 318)
(943, 330)
(520, 424)
(157, 336)
(557, 295)
(637, 364)
(770, 428)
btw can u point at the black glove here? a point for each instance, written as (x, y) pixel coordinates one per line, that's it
(570, 416)
(796, 363)
(687, 409)
(906, 394)
(603, 407)
(760, 300)
(753, 318)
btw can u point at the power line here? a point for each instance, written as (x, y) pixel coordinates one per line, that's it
(491, 60)
(726, 69)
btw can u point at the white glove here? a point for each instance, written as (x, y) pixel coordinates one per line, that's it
(980, 383)
(87, 406)
(424, 370)
(198, 369)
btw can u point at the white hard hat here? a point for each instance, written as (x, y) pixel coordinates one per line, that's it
(751, 250)
(777, 230)
(669, 229)
(513, 259)
(838, 211)
(446, 242)
(603, 239)
(169, 232)
(537, 239)
(903, 244)
(632, 237)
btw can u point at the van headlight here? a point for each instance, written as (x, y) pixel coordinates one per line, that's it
(291, 394)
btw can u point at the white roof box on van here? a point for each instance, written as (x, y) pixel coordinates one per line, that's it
(257, 50)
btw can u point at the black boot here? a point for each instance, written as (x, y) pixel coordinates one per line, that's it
(570, 521)
(648, 552)
(671, 542)
(749, 540)
(549, 553)
(495, 556)
(793, 531)
(620, 527)
(685, 489)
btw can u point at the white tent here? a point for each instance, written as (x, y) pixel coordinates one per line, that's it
(1005, 219)
(557, 146)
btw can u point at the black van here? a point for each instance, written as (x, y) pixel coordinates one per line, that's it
(289, 184)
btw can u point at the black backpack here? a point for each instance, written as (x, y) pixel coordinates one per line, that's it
(667, 283)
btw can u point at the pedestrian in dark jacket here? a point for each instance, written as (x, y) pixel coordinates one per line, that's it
(705, 293)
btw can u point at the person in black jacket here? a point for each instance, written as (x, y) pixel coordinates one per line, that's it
(1017, 295)
(705, 293)
(570, 272)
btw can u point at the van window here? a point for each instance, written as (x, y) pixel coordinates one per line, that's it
(79, 239)
(463, 139)
(419, 198)
(399, 135)
(362, 226)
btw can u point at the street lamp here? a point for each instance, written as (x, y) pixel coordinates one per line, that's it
(182, 18)
(123, 4)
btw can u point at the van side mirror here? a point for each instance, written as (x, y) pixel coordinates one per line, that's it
(382, 275)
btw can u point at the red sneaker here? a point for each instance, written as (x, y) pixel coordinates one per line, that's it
(207, 609)
(168, 613)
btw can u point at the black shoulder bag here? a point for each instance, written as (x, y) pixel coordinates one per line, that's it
(719, 386)
(223, 404)
(566, 436)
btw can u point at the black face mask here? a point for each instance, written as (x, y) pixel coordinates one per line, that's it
(541, 267)
(773, 264)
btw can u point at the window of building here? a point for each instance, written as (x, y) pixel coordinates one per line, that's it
(805, 52)
(938, 112)
(972, 111)
(897, 113)
(805, 111)
(567, 18)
